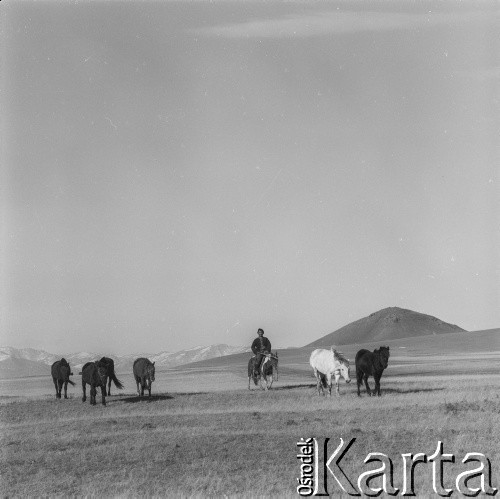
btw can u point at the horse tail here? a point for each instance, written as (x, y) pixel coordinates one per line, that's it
(116, 381)
(71, 382)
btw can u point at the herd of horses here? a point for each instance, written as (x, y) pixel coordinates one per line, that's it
(100, 374)
(326, 364)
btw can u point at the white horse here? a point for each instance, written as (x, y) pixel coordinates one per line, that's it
(326, 363)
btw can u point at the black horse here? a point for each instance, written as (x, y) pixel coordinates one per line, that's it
(96, 375)
(371, 364)
(61, 372)
(144, 374)
(110, 363)
(268, 370)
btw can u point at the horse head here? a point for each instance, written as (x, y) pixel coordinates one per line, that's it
(344, 371)
(102, 371)
(270, 359)
(343, 365)
(384, 356)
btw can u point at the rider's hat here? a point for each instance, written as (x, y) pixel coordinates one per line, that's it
(260, 331)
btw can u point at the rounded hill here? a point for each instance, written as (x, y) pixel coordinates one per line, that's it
(387, 324)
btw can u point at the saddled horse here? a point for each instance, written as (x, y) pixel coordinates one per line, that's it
(268, 371)
(371, 364)
(96, 375)
(144, 374)
(110, 363)
(328, 363)
(61, 372)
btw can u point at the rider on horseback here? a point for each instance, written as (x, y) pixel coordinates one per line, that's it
(260, 347)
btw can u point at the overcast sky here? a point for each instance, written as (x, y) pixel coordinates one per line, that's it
(183, 173)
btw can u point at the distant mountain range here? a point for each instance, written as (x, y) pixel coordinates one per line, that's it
(391, 323)
(388, 324)
(20, 362)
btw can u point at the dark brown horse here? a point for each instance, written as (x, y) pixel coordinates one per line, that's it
(61, 372)
(110, 363)
(144, 374)
(371, 364)
(96, 375)
(268, 371)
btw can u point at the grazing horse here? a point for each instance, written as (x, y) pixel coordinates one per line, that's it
(268, 370)
(111, 369)
(326, 363)
(61, 372)
(144, 374)
(371, 364)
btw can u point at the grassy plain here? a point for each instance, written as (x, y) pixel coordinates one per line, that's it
(241, 443)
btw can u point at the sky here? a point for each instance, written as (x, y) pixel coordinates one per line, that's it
(183, 173)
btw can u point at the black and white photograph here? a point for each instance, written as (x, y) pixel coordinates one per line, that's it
(250, 248)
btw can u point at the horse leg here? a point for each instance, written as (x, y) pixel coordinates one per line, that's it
(92, 394)
(319, 382)
(359, 380)
(103, 394)
(84, 388)
(322, 384)
(59, 388)
(365, 377)
(329, 383)
(65, 389)
(109, 387)
(142, 387)
(377, 385)
(268, 376)
(263, 378)
(255, 373)
(271, 379)
(337, 378)
(55, 384)
(256, 365)
(149, 387)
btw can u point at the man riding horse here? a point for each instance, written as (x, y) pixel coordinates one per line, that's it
(260, 347)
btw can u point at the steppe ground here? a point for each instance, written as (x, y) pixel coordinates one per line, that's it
(240, 442)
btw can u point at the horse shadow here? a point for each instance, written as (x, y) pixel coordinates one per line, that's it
(154, 398)
(384, 390)
(410, 390)
(292, 387)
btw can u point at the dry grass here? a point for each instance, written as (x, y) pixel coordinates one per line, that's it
(236, 442)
